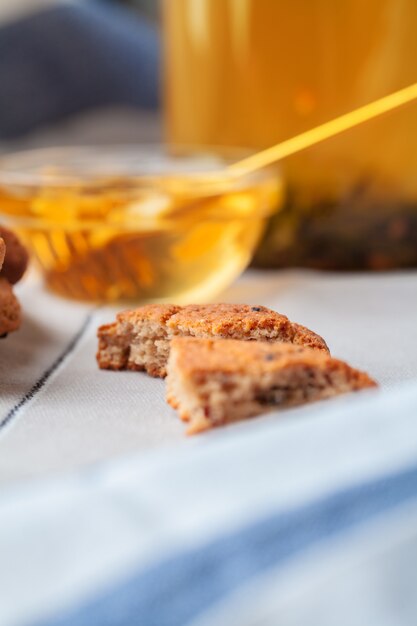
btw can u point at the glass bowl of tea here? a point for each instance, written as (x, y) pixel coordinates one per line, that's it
(142, 223)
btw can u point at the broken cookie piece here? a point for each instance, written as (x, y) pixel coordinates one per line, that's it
(13, 262)
(214, 382)
(16, 259)
(10, 312)
(140, 339)
(2, 252)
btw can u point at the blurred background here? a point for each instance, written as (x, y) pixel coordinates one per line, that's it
(78, 72)
(238, 73)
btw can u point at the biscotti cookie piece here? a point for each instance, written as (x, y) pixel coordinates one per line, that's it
(16, 259)
(305, 337)
(2, 251)
(139, 339)
(213, 382)
(231, 321)
(10, 312)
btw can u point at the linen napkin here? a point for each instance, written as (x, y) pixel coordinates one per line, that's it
(306, 516)
(59, 412)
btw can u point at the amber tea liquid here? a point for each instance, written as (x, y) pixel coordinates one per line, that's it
(116, 242)
(255, 72)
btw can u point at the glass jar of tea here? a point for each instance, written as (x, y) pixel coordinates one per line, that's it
(251, 73)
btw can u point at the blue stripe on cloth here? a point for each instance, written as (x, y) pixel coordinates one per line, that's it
(177, 589)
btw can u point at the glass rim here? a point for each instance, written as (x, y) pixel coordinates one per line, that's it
(149, 163)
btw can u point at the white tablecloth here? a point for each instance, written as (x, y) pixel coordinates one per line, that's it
(305, 517)
(58, 412)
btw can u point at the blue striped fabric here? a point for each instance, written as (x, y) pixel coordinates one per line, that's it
(234, 529)
(305, 517)
(175, 590)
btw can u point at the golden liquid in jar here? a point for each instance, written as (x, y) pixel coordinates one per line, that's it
(256, 72)
(115, 242)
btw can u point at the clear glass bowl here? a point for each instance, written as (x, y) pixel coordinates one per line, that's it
(136, 223)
